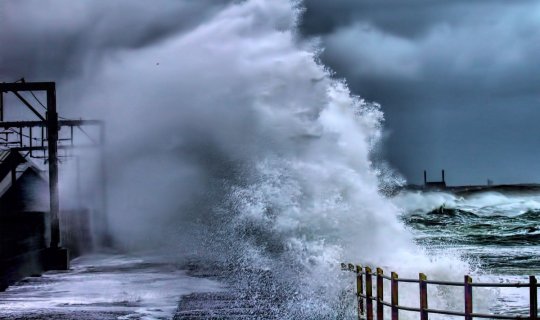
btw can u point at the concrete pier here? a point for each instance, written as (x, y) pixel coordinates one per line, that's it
(111, 286)
(223, 306)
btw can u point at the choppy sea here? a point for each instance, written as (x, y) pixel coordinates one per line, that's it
(497, 233)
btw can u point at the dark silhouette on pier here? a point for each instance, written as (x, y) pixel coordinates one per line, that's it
(470, 189)
(434, 185)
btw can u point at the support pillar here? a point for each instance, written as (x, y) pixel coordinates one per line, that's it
(56, 258)
(105, 239)
(1, 106)
(52, 135)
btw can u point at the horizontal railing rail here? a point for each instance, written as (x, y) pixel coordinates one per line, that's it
(366, 299)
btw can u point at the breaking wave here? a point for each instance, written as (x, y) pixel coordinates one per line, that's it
(232, 145)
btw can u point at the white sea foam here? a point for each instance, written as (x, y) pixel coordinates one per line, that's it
(485, 203)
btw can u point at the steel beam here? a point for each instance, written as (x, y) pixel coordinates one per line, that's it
(27, 86)
(61, 123)
(60, 147)
(26, 103)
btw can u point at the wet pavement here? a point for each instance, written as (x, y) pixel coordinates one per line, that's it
(104, 287)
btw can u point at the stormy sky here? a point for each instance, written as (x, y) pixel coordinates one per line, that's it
(459, 81)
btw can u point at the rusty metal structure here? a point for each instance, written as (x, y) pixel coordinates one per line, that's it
(40, 139)
(435, 185)
(366, 299)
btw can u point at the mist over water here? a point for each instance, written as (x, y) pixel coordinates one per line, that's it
(229, 143)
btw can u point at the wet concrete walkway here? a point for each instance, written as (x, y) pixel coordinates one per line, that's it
(105, 287)
(223, 306)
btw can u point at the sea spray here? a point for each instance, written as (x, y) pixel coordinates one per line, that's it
(230, 143)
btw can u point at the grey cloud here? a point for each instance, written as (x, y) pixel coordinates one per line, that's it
(53, 38)
(458, 81)
(405, 18)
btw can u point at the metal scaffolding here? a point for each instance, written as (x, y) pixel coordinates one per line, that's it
(42, 136)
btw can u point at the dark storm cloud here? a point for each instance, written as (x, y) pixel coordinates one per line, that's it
(406, 18)
(52, 39)
(458, 80)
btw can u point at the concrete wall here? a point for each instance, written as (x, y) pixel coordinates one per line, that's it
(24, 238)
(22, 245)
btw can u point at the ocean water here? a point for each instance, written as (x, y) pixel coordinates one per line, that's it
(498, 234)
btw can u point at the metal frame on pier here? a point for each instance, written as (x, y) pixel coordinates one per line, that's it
(21, 136)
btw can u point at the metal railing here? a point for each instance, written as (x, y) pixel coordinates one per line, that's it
(366, 299)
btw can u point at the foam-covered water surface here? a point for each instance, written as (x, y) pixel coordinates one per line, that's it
(496, 233)
(104, 286)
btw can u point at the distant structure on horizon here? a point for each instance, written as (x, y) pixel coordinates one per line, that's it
(434, 185)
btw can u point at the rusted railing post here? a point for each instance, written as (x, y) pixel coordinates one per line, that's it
(468, 298)
(380, 294)
(369, 294)
(360, 291)
(533, 298)
(395, 296)
(366, 307)
(423, 297)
